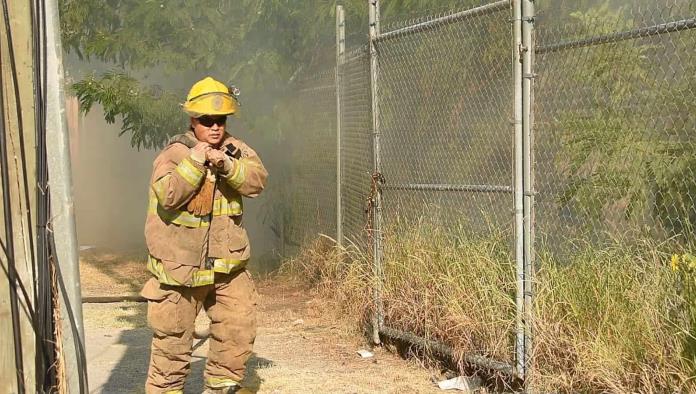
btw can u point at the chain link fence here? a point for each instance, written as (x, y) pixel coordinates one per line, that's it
(613, 168)
(356, 143)
(614, 122)
(443, 92)
(488, 148)
(310, 192)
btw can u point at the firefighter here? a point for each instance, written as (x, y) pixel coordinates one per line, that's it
(198, 248)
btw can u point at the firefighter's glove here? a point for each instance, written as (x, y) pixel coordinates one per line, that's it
(202, 202)
(199, 152)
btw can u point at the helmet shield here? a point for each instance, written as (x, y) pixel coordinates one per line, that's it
(214, 103)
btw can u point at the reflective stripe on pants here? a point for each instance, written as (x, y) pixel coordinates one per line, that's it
(231, 306)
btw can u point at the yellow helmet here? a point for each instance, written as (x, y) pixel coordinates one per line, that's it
(210, 97)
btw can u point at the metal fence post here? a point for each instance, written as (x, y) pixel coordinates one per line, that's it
(340, 52)
(377, 203)
(519, 189)
(527, 22)
(62, 208)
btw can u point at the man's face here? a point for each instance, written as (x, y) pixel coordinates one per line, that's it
(209, 128)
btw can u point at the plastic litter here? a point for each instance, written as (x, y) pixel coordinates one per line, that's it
(461, 383)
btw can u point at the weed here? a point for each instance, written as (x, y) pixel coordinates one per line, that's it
(618, 318)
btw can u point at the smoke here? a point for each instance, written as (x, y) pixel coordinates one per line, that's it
(111, 177)
(111, 181)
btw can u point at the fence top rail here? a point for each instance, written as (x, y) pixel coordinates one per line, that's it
(445, 20)
(663, 28)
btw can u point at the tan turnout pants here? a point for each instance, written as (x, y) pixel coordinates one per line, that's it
(231, 306)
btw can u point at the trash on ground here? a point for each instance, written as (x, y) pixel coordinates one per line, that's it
(365, 353)
(201, 332)
(461, 383)
(298, 322)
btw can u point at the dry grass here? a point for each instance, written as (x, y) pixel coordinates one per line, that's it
(612, 320)
(609, 320)
(308, 350)
(115, 315)
(454, 287)
(112, 273)
(106, 272)
(340, 278)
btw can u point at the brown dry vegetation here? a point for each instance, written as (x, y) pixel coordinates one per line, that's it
(112, 273)
(609, 320)
(613, 320)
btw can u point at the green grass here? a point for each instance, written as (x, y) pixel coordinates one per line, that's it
(615, 319)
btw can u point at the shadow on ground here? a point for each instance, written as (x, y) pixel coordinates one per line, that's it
(118, 362)
(117, 339)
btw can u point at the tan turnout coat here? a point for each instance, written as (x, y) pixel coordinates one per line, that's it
(186, 249)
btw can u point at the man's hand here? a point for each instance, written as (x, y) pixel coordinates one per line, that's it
(218, 159)
(199, 152)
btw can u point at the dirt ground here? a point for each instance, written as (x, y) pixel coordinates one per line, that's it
(300, 348)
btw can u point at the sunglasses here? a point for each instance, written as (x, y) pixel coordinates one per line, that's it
(209, 121)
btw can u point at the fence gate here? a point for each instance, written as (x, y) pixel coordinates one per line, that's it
(429, 119)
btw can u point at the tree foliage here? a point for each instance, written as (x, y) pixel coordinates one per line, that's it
(627, 152)
(146, 113)
(260, 46)
(257, 45)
